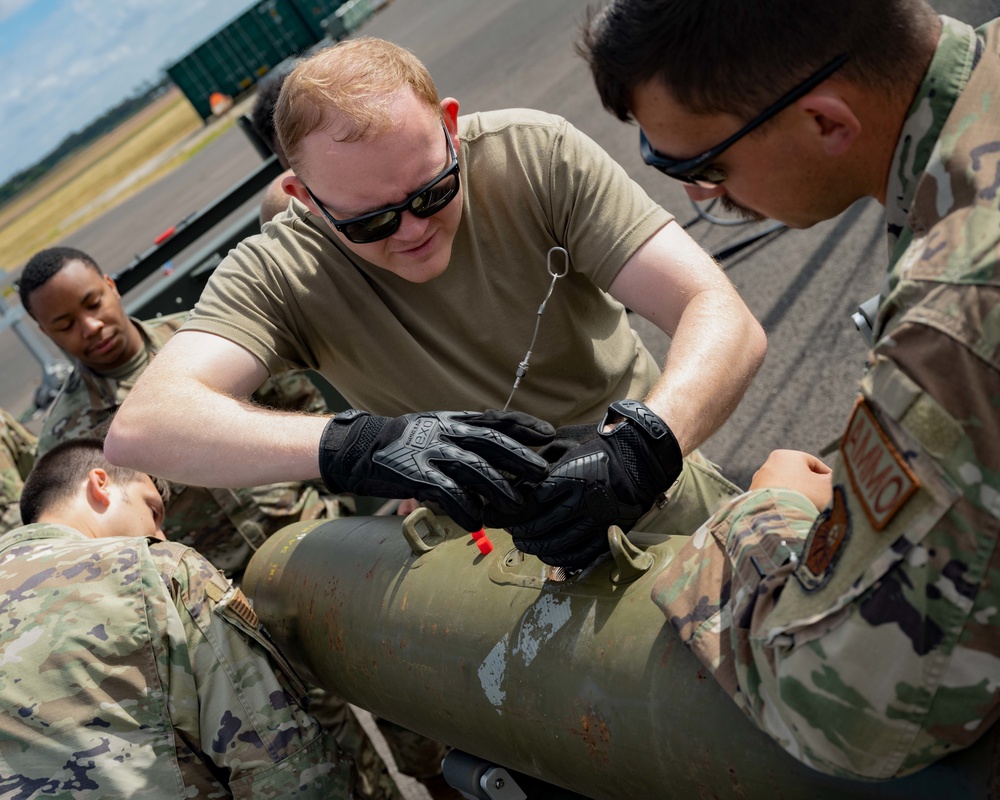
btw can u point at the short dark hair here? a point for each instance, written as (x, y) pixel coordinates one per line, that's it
(43, 265)
(57, 476)
(262, 115)
(737, 57)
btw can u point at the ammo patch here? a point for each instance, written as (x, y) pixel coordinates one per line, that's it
(881, 478)
(831, 529)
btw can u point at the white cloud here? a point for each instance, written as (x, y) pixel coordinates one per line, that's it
(85, 57)
(10, 7)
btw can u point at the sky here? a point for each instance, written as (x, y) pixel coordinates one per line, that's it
(66, 62)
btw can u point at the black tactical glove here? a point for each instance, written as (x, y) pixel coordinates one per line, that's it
(568, 437)
(450, 458)
(606, 479)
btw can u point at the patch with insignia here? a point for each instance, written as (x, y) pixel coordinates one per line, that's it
(240, 606)
(829, 532)
(881, 478)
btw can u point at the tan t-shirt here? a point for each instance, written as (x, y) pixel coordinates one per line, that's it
(295, 297)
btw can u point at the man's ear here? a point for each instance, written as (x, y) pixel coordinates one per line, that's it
(449, 110)
(293, 187)
(831, 118)
(99, 489)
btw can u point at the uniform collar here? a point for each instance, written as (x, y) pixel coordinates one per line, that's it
(954, 59)
(104, 390)
(37, 531)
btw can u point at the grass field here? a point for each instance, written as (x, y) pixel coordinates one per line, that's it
(110, 171)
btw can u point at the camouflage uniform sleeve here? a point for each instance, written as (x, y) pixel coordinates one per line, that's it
(73, 415)
(868, 647)
(17, 456)
(704, 585)
(235, 698)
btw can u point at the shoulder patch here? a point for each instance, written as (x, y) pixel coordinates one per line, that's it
(240, 606)
(828, 535)
(881, 478)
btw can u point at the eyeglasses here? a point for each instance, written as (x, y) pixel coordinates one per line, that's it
(699, 171)
(425, 202)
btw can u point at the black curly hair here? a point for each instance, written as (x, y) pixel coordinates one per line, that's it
(43, 265)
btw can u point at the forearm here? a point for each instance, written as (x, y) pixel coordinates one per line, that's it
(714, 354)
(187, 419)
(196, 436)
(716, 344)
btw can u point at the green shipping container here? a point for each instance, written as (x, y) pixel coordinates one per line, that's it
(315, 11)
(351, 15)
(234, 58)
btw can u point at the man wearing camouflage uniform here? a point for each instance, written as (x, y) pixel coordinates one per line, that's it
(132, 667)
(852, 612)
(81, 310)
(17, 455)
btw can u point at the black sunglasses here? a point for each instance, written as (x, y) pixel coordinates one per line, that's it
(424, 202)
(698, 170)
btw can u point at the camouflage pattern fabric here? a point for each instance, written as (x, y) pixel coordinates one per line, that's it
(132, 668)
(224, 525)
(17, 457)
(336, 716)
(866, 639)
(415, 755)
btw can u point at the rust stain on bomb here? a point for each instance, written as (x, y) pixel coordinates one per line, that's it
(596, 736)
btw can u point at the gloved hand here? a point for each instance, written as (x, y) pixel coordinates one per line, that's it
(567, 438)
(451, 458)
(605, 479)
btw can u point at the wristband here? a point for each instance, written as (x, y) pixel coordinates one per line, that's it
(655, 430)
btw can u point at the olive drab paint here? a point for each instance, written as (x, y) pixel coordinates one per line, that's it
(581, 682)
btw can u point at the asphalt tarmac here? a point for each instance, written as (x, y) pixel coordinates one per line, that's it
(802, 285)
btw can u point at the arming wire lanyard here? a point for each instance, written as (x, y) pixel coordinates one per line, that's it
(522, 368)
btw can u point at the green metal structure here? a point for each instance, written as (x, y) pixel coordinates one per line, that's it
(234, 58)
